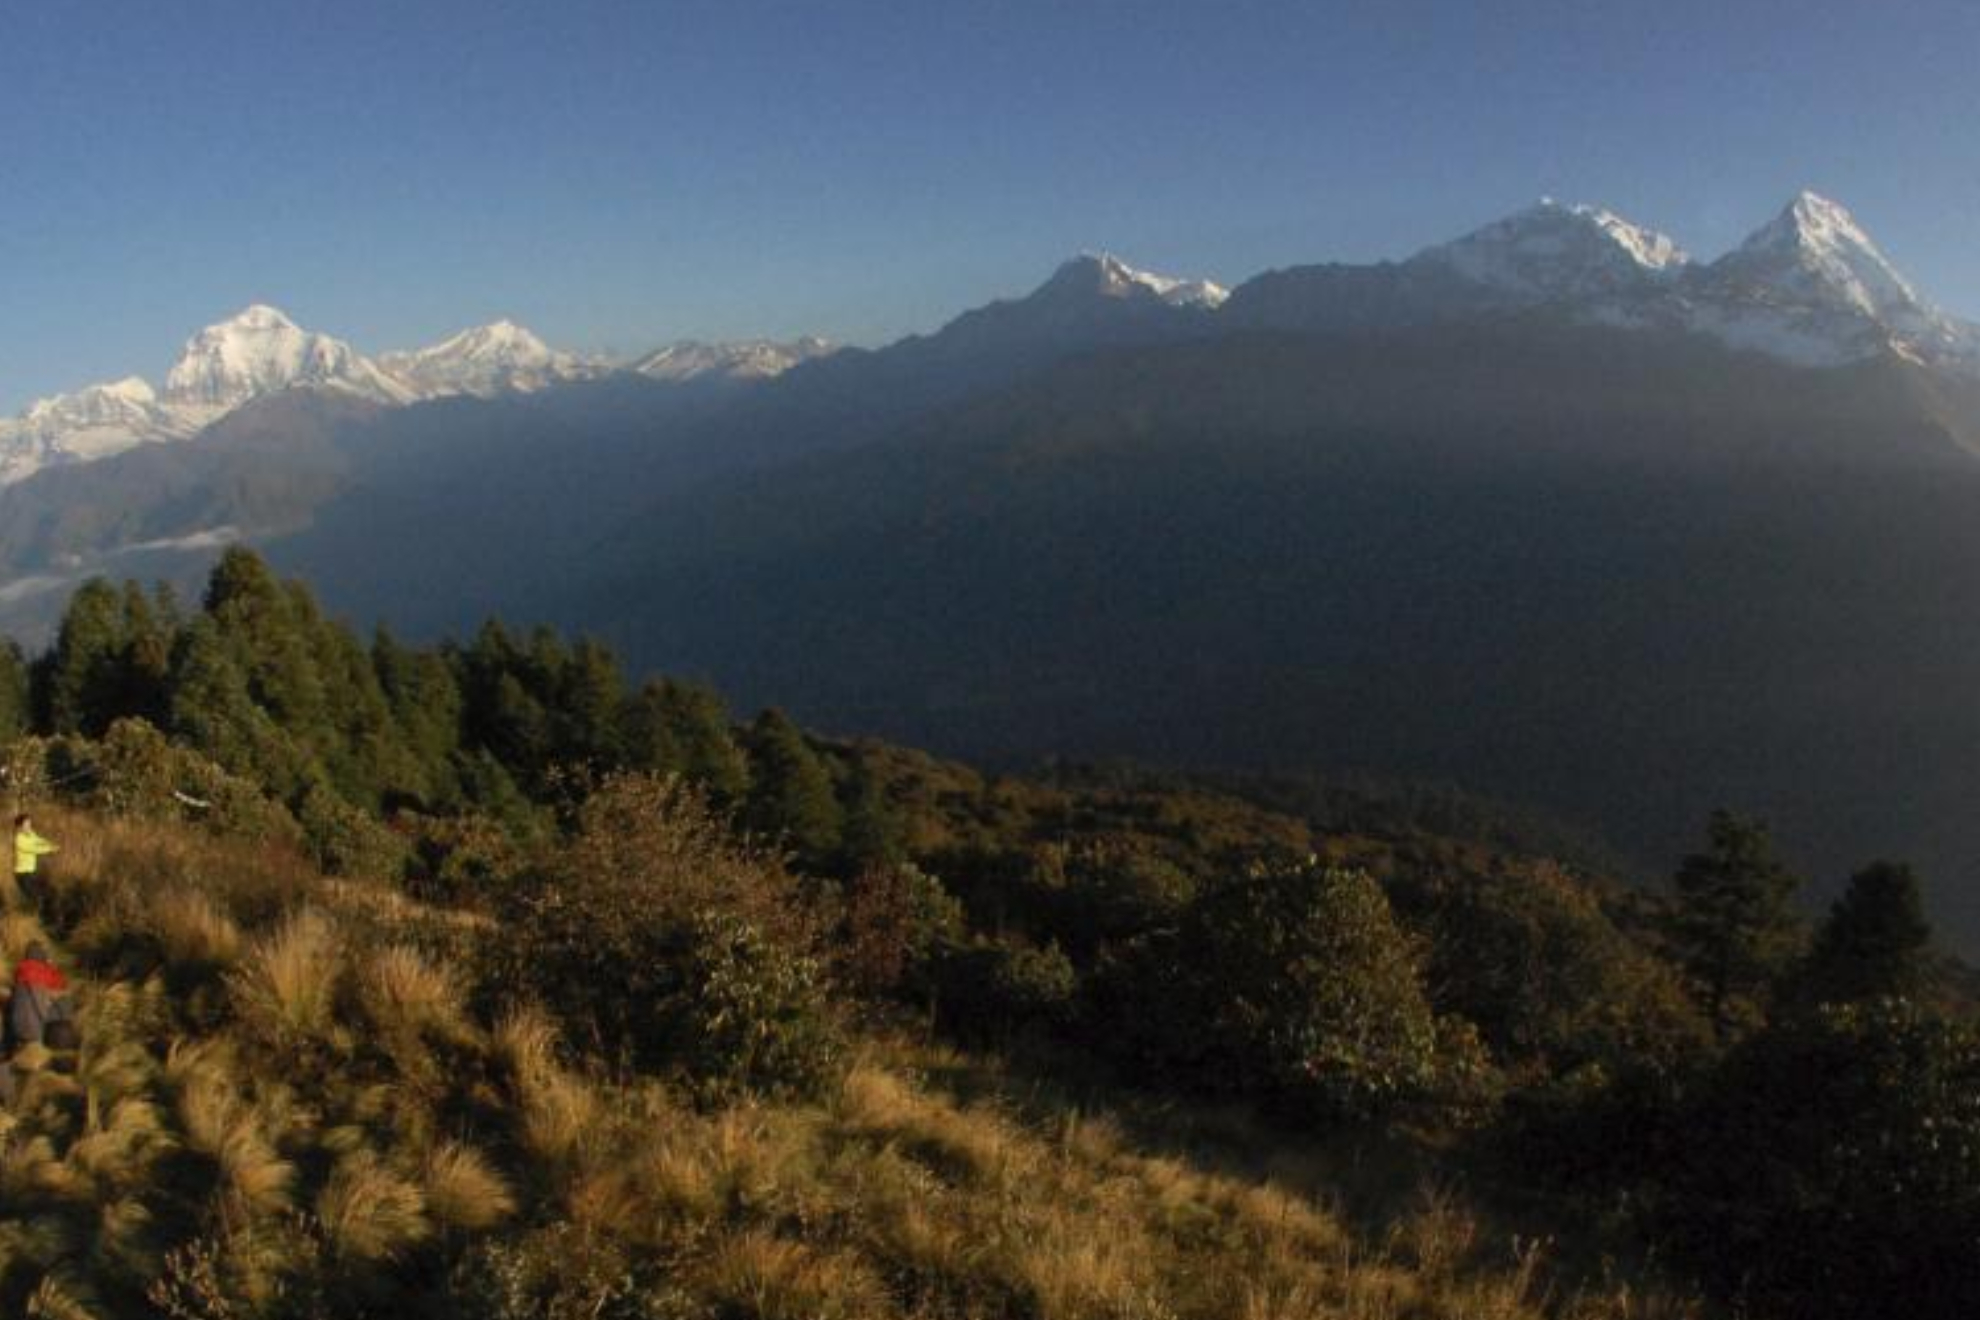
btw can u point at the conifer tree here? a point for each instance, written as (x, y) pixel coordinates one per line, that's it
(1874, 940)
(590, 706)
(672, 727)
(16, 713)
(149, 625)
(208, 704)
(874, 834)
(1735, 924)
(424, 699)
(85, 671)
(790, 789)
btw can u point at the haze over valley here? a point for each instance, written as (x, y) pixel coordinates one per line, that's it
(1019, 662)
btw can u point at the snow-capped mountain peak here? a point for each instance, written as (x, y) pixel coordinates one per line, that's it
(1105, 274)
(500, 357)
(1812, 286)
(109, 397)
(751, 359)
(259, 350)
(1550, 251)
(1815, 247)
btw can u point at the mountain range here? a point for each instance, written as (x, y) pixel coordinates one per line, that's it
(259, 352)
(1553, 511)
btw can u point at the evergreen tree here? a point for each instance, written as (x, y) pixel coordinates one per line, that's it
(590, 701)
(149, 625)
(367, 752)
(16, 713)
(790, 792)
(672, 727)
(1874, 940)
(209, 706)
(874, 835)
(1735, 924)
(85, 673)
(425, 702)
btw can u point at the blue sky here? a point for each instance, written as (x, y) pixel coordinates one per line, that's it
(620, 174)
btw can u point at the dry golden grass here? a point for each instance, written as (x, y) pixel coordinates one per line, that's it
(526, 1042)
(463, 1190)
(370, 1211)
(930, 1184)
(755, 1273)
(404, 993)
(219, 1124)
(193, 930)
(560, 1111)
(286, 987)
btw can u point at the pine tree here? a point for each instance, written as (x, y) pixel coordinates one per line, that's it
(790, 792)
(874, 835)
(1874, 940)
(85, 676)
(1735, 924)
(671, 727)
(208, 705)
(149, 625)
(590, 701)
(425, 703)
(15, 710)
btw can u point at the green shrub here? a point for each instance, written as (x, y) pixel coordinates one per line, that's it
(746, 1015)
(895, 918)
(564, 1272)
(990, 990)
(1297, 987)
(1530, 956)
(657, 937)
(1833, 1169)
(345, 840)
(134, 771)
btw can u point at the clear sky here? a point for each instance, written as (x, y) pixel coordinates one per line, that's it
(619, 174)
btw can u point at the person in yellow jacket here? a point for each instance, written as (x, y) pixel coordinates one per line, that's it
(29, 849)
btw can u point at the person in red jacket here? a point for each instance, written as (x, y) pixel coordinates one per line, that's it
(40, 1006)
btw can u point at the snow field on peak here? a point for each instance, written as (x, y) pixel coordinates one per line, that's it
(1117, 277)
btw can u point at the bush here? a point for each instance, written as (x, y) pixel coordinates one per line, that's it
(991, 990)
(659, 939)
(564, 1271)
(895, 919)
(747, 1015)
(133, 771)
(1530, 957)
(344, 840)
(1833, 1170)
(1297, 987)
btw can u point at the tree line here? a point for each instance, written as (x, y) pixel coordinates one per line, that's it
(1790, 1105)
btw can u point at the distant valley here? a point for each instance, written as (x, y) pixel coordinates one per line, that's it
(1551, 511)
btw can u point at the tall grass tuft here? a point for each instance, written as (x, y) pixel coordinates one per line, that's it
(219, 1124)
(193, 931)
(369, 1211)
(756, 1274)
(406, 994)
(286, 988)
(463, 1190)
(560, 1112)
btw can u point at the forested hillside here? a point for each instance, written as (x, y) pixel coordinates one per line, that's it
(476, 981)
